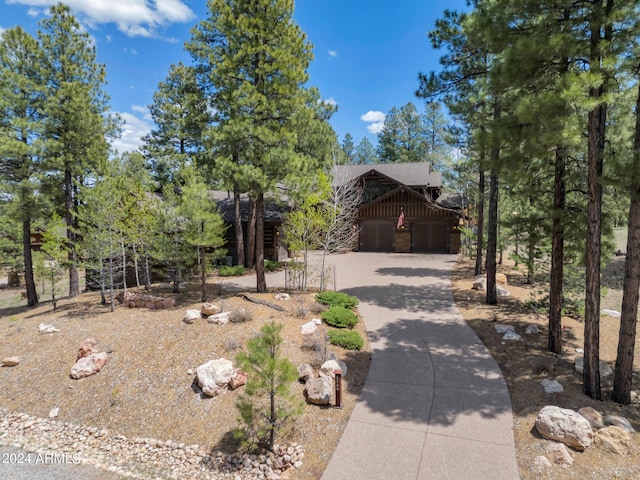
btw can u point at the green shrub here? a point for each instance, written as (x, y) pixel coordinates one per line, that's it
(271, 265)
(235, 271)
(336, 298)
(349, 339)
(340, 317)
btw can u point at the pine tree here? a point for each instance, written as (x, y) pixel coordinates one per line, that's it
(255, 59)
(75, 128)
(365, 153)
(349, 148)
(21, 111)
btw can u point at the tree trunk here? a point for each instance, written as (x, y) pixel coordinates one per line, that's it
(492, 234)
(261, 282)
(203, 274)
(30, 284)
(480, 207)
(622, 380)
(596, 145)
(74, 284)
(557, 254)
(250, 251)
(239, 235)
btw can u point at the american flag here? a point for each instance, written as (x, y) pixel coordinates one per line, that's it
(401, 219)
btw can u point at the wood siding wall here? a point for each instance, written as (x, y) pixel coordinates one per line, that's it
(390, 207)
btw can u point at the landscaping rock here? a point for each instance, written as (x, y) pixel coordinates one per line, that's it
(10, 361)
(552, 386)
(564, 425)
(239, 379)
(305, 372)
(501, 279)
(219, 318)
(191, 316)
(46, 328)
(214, 376)
(502, 292)
(541, 463)
(208, 309)
(328, 368)
(605, 369)
(87, 348)
(54, 412)
(283, 296)
(619, 421)
(614, 439)
(89, 365)
(308, 328)
(593, 417)
(611, 313)
(479, 284)
(532, 330)
(510, 335)
(558, 454)
(318, 390)
(500, 328)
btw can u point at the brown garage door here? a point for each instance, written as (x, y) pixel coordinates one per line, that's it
(429, 236)
(376, 235)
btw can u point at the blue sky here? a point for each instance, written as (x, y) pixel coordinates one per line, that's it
(367, 53)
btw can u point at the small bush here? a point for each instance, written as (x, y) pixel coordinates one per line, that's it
(271, 265)
(336, 298)
(349, 339)
(340, 317)
(316, 308)
(235, 271)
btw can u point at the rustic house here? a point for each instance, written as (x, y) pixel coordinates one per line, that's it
(403, 209)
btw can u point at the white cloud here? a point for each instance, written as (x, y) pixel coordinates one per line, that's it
(331, 101)
(133, 17)
(134, 127)
(333, 53)
(375, 119)
(33, 12)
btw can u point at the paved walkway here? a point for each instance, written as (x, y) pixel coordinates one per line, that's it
(435, 404)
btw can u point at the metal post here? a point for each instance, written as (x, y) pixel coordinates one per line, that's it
(338, 374)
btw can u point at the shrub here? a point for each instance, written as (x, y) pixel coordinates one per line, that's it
(271, 265)
(336, 298)
(235, 271)
(316, 308)
(349, 339)
(340, 317)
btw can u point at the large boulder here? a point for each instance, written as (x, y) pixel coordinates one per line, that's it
(305, 372)
(87, 348)
(318, 390)
(564, 425)
(219, 318)
(214, 376)
(558, 454)
(328, 368)
(89, 365)
(619, 421)
(501, 278)
(593, 417)
(605, 369)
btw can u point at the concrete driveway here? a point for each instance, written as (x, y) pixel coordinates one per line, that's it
(435, 404)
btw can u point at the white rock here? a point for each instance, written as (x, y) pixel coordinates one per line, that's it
(318, 390)
(502, 292)
(541, 463)
(11, 361)
(214, 376)
(328, 368)
(308, 328)
(480, 283)
(532, 330)
(54, 412)
(219, 318)
(605, 369)
(89, 365)
(511, 336)
(619, 421)
(305, 372)
(191, 316)
(283, 296)
(611, 313)
(46, 328)
(552, 386)
(500, 328)
(564, 425)
(614, 439)
(317, 321)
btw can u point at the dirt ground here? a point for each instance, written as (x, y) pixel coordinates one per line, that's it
(526, 363)
(146, 389)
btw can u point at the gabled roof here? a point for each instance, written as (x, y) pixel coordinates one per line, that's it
(274, 210)
(408, 174)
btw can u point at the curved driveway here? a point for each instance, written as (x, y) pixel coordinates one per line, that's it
(435, 404)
